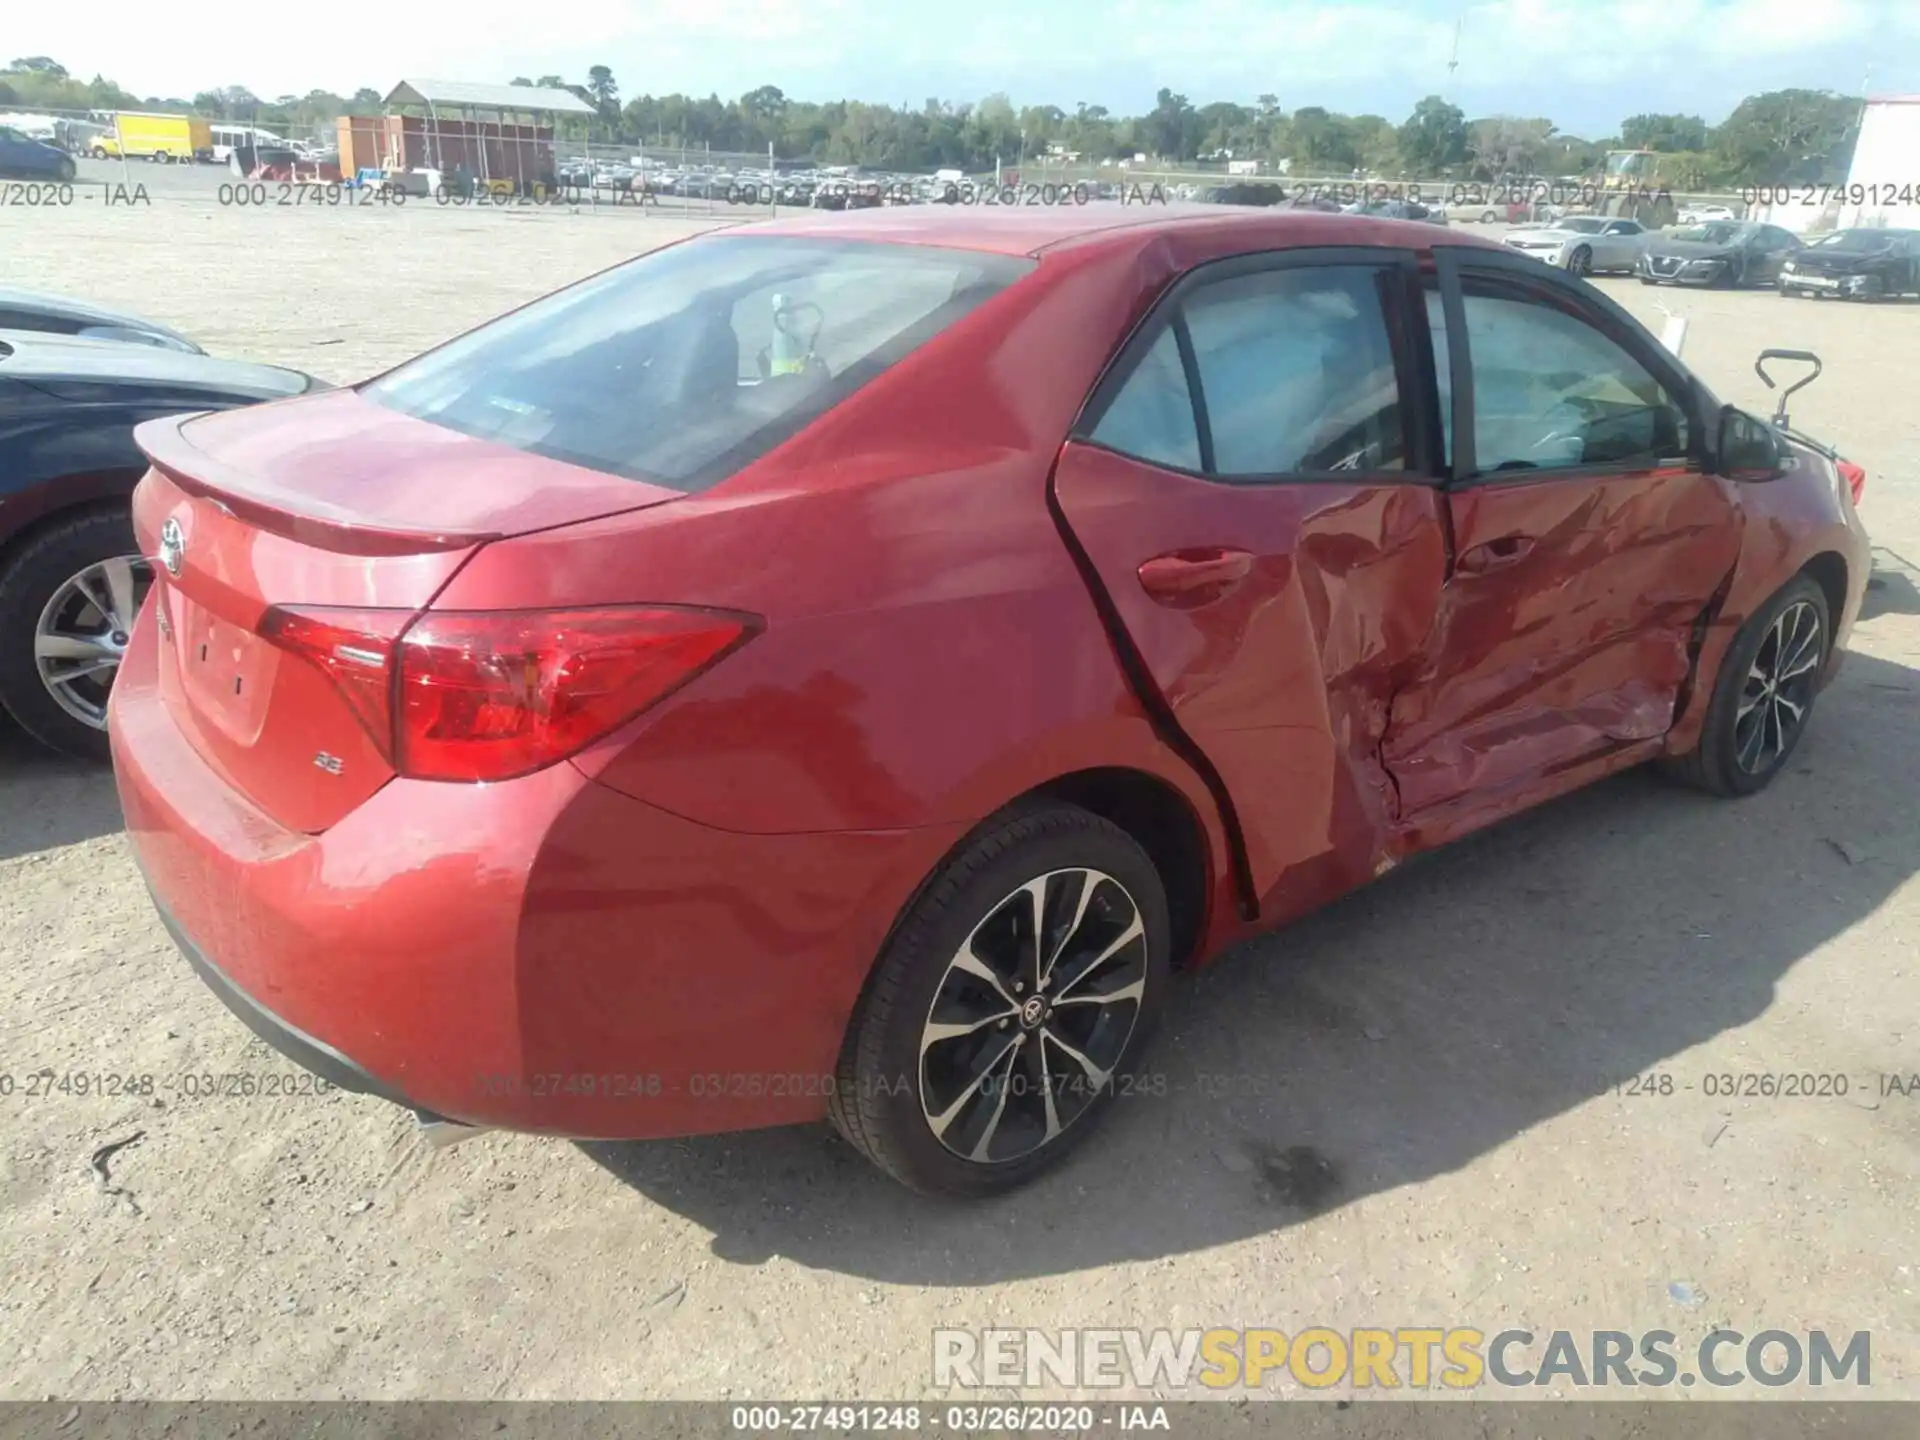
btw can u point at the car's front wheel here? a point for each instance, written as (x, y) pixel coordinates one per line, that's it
(1009, 1006)
(1764, 695)
(67, 606)
(1580, 262)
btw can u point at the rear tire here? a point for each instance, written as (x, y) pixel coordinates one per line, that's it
(1751, 729)
(34, 579)
(964, 960)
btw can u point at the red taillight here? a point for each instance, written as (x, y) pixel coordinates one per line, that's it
(488, 695)
(1856, 478)
(355, 650)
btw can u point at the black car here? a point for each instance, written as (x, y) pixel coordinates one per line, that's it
(57, 315)
(71, 575)
(1717, 252)
(849, 195)
(1247, 192)
(1403, 210)
(1865, 264)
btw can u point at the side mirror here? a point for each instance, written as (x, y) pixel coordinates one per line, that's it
(1748, 449)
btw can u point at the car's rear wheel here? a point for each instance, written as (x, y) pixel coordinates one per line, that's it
(1764, 695)
(67, 606)
(1009, 1005)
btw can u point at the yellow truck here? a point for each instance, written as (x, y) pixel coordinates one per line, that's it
(164, 139)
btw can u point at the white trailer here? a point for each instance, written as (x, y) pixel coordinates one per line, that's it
(1883, 187)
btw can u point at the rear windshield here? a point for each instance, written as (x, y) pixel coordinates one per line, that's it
(686, 364)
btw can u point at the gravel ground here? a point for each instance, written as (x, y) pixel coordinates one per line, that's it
(1449, 1041)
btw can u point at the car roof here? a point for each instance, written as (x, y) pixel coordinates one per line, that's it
(66, 308)
(36, 357)
(1032, 229)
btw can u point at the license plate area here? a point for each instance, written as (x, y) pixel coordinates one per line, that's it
(226, 671)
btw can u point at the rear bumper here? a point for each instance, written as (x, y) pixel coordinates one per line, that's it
(305, 1051)
(545, 954)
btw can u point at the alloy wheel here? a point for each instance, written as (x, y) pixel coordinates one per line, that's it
(83, 633)
(1033, 1015)
(1580, 262)
(1778, 690)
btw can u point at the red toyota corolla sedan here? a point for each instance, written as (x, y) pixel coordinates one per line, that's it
(843, 666)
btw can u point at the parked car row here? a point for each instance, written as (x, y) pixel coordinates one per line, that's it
(1861, 263)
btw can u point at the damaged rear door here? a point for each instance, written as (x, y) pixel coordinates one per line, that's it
(1253, 492)
(1588, 539)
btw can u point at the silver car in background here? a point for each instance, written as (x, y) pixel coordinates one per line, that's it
(1584, 244)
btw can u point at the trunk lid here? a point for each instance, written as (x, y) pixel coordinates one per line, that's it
(335, 502)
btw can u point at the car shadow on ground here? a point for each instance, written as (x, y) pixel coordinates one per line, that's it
(1398, 1035)
(50, 800)
(1893, 588)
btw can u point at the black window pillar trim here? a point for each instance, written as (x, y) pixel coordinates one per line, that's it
(1453, 309)
(1196, 396)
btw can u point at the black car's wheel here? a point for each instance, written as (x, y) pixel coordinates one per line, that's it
(1764, 695)
(1009, 1004)
(67, 604)
(66, 170)
(1580, 262)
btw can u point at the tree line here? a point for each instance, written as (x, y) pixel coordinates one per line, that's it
(1791, 136)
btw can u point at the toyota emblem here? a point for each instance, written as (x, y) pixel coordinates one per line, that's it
(173, 546)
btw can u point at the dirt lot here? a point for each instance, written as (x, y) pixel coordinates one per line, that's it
(1450, 1040)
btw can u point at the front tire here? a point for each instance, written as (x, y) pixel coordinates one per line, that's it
(1009, 1005)
(1580, 262)
(1763, 696)
(67, 605)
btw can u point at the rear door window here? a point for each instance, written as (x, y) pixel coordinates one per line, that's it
(1297, 371)
(688, 363)
(1296, 377)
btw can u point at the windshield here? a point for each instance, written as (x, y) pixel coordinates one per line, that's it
(1582, 226)
(1714, 232)
(684, 365)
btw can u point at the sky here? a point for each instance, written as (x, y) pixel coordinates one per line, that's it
(1585, 64)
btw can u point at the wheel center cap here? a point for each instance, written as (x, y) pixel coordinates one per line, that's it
(1033, 1012)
